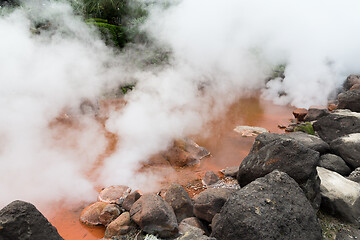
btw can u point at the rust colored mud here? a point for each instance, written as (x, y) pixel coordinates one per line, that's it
(227, 147)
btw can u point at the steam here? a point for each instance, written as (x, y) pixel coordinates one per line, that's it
(219, 50)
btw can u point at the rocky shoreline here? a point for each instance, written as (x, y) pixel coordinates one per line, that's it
(283, 189)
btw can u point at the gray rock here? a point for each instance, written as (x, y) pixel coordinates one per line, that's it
(271, 207)
(340, 196)
(195, 222)
(349, 233)
(179, 200)
(189, 232)
(349, 100)
(355, 175)
(21, 220)
(120, 226)
(230, 171)
(154, 215)
(114, 194)
(316, 113)
(334, 163)
(209, 202)
(337, 124)
(210, 178)
(348, 148)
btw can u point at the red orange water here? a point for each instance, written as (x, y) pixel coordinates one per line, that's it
(227, 147)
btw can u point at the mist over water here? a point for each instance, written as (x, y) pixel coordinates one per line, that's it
(219, 50)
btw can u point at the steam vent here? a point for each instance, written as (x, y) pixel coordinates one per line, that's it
(179, 120)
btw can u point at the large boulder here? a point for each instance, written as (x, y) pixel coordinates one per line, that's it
(179, 200)
(271, 207)
(21, 220)
(340, 196)
(349, 100)
(334, 163)
(337, 124)
(286, 155)
(209, 202)
(348, 148)
(154, 215)
(310, 141)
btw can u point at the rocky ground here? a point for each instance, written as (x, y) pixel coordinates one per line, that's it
(304, 184)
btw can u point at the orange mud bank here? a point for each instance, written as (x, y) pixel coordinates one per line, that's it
(227, 148)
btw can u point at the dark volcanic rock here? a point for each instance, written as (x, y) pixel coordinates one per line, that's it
(154, 215)
(334, 163)
(349, 100)
(209, 202)
(21, 220)
(286, 155)
(348, 148)
(337, 124)
(316, 113)
(310, 141)
(271, 207)
(130, 200)
(180, 201)
(351, 81)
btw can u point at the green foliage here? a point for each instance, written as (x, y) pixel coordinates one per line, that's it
(127, 88)
(112, 34)
(278, 71)
(305, 127)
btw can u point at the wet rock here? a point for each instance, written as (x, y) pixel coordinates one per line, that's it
(114, 194)
(248, 131)
(120, 226)
(355, 175)
(349, 100)
(90, 215)
(337, 124)
(195, 222)
(340, 195)
(230, 171)
(348, 148)
(154, 215)
(209, 202)
(334, 163)
(185, 152)
(180, 201)
(286, 155)
(300, 114)
(271, 207)
(210, 178)
(21, 220)
(130, 200)
(350, 81)
(316, 113)
(109, 213)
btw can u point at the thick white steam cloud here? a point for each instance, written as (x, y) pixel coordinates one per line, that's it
(220, 50)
